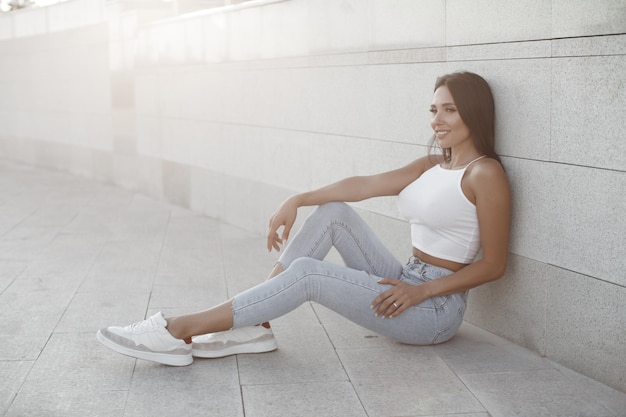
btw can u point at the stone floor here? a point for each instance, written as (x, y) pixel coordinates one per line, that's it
(77, 255)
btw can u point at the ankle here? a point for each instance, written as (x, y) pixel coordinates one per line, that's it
(175, 331)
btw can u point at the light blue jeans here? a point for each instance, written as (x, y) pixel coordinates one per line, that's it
(349, 290)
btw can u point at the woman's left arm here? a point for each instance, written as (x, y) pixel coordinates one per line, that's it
(489, 186)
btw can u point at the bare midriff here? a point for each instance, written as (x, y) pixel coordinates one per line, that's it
(443, 263)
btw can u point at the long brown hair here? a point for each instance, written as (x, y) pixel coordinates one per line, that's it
(474, 101)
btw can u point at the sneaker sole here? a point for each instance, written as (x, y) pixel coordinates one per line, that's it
(257, 347)
(164, 358)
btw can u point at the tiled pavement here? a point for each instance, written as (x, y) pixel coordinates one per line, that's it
(77, 255)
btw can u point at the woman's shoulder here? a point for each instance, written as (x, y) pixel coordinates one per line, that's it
(486, 166)
(427, 162)
(486, 172)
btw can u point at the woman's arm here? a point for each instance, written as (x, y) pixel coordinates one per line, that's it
(487, 182)
(350, 189)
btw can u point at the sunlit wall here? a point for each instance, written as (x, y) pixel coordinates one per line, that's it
(228, 111)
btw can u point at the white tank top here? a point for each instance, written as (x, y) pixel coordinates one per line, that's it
(443, 221)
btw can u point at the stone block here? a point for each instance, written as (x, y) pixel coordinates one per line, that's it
(587, 95)
(485, 21)
(391, 392)
(338, 27)
(329, 399)
(514, 306)
(585, 326)
(403, 24)
(532, 393)
(580, 18)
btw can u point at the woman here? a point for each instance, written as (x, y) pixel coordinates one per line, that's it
(456, 203)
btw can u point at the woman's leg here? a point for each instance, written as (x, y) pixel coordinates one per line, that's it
(347, 291)
(213, 320)
(334, 224)
(344, 290)
(338, 225)
(330, 225)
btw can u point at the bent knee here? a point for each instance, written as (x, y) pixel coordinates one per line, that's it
(305, 265)
(334, 210)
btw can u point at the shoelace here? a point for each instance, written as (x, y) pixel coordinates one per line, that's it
(148, 324)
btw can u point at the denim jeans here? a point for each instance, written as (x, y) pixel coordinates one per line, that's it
(349, 290)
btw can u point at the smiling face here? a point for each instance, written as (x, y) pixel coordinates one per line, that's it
(450, 130)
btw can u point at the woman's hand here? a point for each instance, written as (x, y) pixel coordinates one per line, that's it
(394, 301)
(284, 216)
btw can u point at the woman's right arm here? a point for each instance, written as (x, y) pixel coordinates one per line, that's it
(349, 189)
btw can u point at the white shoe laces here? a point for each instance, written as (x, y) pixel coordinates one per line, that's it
(144, 325)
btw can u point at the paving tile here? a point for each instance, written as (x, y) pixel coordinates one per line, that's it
(390, 362)
(203, 374)
(474, 350)
(190, 267)
(9, 270)
(56, 403)
(304, 354)
(88, 312)
(218, 401)
(77, 362)
(430, 395)
(612, 399)
(13, 375)
(95, 224)
(406, 380)
(246, 260)
(13, 213)
(147, 226)
(26, 243)
(123, 266)
(67, 259)
(31, 313)
(191, 231)
(16, 346)
(52, 213)
(345, 334)
(334, 399)
(109, 198)
(536, 393)
(197, 297)
(457, 415)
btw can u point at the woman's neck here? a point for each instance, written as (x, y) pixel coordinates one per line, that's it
(462, 154)
(461, 161)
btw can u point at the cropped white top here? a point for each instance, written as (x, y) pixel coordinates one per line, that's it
(443, 221)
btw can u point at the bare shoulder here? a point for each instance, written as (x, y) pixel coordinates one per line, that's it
(486, 169)
(487, 175)
(418, 166)
(393, 182)
(427, 162)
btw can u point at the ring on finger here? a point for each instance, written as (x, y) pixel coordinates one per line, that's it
(395, 305)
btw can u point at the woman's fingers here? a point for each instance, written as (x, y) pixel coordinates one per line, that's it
(382, 297)
(273, 241)
(284, 217)
(392, 302)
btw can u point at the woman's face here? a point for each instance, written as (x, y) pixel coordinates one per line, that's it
(450, 130)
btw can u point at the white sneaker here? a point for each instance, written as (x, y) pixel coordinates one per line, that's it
(149, 340)
(253, 339)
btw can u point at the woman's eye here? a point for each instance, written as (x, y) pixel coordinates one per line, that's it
(433, 111)
(450, 109)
